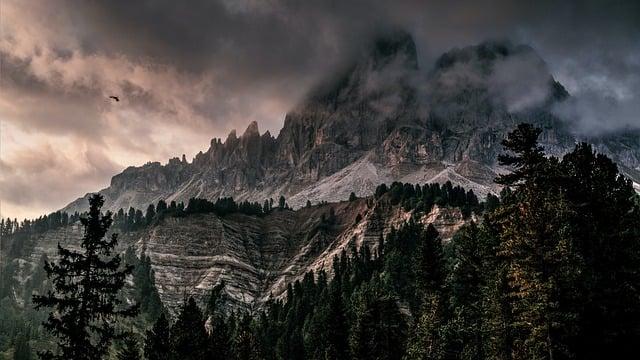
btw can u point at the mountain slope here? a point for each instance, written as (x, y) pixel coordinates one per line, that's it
(257, 257)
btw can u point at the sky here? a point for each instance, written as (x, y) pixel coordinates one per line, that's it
(188, 71)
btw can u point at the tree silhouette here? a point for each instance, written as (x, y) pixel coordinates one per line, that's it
(84, 301)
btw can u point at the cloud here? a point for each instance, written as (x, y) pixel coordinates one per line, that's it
(38, 177)
(605, 93)
(521, 81)
(190, 71)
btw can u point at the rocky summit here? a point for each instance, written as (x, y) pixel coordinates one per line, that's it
(383, 118)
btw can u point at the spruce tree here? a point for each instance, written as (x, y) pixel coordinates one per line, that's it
(607, 230)
(427, 340)
(245, 345)
(188, 334)
(429, 266)
(378, 330)
(471, 269)
(219, 340)
(130, 349)
(526, 156)
(538, 248)
(157, 345)
(85, 298)
(21, 348)
(150, 214)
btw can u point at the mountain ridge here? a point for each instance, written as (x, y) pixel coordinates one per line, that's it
(378, 122)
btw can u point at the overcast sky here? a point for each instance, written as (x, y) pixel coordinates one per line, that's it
(187, 71)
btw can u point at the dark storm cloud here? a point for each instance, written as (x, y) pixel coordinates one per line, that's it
(191, 70)
(285, 45)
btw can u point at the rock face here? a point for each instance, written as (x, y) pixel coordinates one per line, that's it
(256, 256)
(380, 120)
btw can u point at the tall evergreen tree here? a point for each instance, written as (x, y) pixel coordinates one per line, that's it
(537, 244)
(427, 341)
(86, 284)
(378, 330)
(244, 344)
(471, 270)
(21, 348)
(428, 261)
(527, 156)
(130, 349)
(428, 336)
(219, 337)
(157, 345)
(188, 335)
(150, 214)
(606, 225)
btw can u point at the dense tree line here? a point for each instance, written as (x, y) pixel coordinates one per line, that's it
(424, 197)
(15, 234)
(135, 219)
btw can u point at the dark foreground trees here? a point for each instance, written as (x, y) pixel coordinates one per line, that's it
(84, 302)
(562, 280)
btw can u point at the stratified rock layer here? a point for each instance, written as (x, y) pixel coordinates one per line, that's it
(255, 256)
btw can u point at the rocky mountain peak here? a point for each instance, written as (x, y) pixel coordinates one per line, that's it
(492, 76)
(252, 130)
(380, 120)
(485, 53)
(231, 138)
(390, 46)
(389, 56)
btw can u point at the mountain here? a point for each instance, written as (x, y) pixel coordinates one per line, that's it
(256, 256)
(379, 120)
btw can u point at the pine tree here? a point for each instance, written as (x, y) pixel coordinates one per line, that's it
(150, 214)
(219, 340)
(429, 266)
(470, 270)
(244, 343)
(130, 349)
(427, 341)
(188, 335)
(157, 345)
(378, 330)
(607, 231)
(21, 348)
(85, 303)
(528, 158)
(146, 293)
(537, 245)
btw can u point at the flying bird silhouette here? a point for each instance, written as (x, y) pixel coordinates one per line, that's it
(114, 98)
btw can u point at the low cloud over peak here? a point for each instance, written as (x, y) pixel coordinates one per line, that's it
(189, 71)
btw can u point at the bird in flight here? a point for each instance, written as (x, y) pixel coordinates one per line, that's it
(114, 98)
